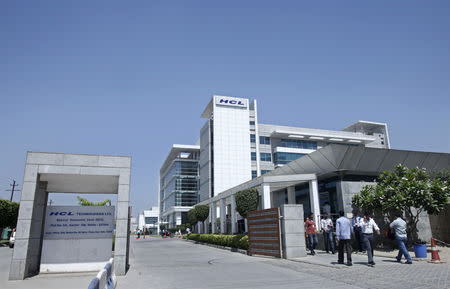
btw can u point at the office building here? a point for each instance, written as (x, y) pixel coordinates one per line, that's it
(235, 147)
(178, 188)
(149, 221)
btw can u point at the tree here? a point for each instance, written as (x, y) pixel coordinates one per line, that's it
(201, 212)
(411, 191)
(192, 218)
(247, 201)
(9, 212)
(85, 202)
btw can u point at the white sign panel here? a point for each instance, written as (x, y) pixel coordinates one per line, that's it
(231, 101)
(79, 222)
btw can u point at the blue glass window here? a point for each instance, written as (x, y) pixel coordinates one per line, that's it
(266, 157)
(300, 144)
(252, 138)
(253, 156)
(252, 122)
(254, 174)
(281, 158)
(264, 171)
(264, 140)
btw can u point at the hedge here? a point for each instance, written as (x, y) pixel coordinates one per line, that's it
(233, 241)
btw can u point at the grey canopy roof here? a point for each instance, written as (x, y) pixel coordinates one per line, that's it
(359, 159)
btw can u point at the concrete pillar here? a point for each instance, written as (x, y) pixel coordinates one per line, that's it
(292, 231)
(265, 196)
(213, 213)
(233, 215)
(27, 248)
(291, 195)
(314, 200)
(223, 216)
(121, 256)
(177, 218)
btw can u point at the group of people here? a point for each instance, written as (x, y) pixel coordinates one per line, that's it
(363, 228)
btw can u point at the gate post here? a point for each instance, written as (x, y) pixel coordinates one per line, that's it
(292, 231)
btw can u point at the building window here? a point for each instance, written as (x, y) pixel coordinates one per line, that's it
(254, 174)
(253, 156)
(266, 157)
(282, 158)
(264, 171)
(299, 144)
(151, 220)
(252, 138)
(252, 122)
(264, 140)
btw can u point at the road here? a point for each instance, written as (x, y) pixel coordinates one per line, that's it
(174, 263)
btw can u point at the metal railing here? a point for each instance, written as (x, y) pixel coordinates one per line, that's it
(105, 279)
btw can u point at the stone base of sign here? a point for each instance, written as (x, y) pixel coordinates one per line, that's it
(292, 231)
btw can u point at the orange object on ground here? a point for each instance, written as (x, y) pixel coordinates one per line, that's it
(434, 253)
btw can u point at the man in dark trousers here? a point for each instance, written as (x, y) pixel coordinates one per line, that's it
(344, 232)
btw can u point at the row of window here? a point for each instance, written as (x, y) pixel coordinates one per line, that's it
(282, 158)
(265, 157)
(254, 173)
(262, 139)
(299, 144)
(279, 158)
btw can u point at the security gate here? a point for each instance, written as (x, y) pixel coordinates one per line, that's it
(264, 232)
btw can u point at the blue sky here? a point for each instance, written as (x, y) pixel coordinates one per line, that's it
(132, 78)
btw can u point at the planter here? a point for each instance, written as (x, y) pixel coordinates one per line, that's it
(420, 250)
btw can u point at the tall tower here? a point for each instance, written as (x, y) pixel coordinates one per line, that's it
(225, 144)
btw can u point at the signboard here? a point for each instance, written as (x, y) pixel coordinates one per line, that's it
(79, 222)
(264, 232)
(231, 101)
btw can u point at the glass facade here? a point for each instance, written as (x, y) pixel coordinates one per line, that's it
(253, 156)
(264, 140)
(299, 144)
(282, 158)
(151, 220)
(254, 174)
(252, 138)
(180, 184)
(266, 157)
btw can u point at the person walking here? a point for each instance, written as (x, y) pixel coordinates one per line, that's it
(344, 231)
(399, 226)
(327, 230)
(357, 229)
(368, 226)
(310, 228)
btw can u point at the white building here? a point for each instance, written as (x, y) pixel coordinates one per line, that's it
(235, 147)
(149, 220)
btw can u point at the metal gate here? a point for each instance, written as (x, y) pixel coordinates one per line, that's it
(264, 232)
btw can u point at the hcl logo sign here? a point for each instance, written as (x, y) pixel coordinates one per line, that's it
(230, 101)
(61, 214)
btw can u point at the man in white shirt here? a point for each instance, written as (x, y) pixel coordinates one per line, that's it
(327, 229)
(368, 226)
(399, 225)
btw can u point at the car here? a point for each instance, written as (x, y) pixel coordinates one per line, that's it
(12, 239)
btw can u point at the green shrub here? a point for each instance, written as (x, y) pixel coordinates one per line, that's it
(9, 212)
(233, 241)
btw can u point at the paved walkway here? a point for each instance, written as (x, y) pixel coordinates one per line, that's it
(42, 281)
(174, 263)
